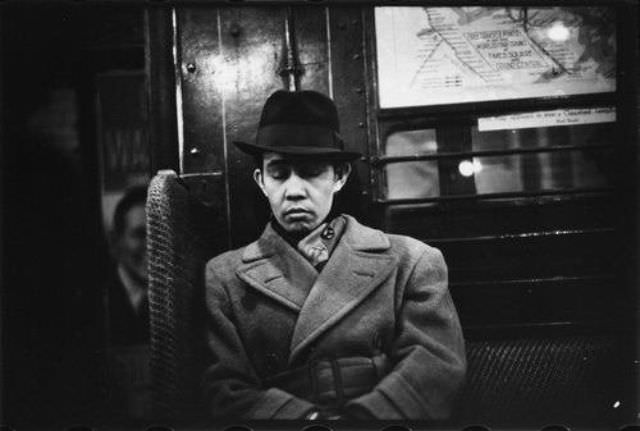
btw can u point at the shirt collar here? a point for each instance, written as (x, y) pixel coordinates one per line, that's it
(136, 291)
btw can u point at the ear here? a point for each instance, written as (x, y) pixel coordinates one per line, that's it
(257, 177)
(342, 180)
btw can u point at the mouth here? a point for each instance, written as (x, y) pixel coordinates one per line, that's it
(296, 212)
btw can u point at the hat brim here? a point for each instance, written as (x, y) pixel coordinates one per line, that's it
(311, 152)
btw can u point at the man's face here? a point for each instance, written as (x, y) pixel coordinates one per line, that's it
(300, 191)
(132, 245)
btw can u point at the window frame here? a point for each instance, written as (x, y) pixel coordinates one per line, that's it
(384, 121)
(562, 216)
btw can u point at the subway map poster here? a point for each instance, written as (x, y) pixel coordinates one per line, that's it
(446, 55)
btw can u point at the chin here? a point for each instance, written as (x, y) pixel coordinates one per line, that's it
(297, 227)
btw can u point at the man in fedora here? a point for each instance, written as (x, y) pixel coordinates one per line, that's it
(322, 317)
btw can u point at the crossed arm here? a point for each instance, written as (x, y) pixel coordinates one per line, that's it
(427, 354)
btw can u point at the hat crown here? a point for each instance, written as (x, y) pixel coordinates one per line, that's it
(300, 124)
(300, 107)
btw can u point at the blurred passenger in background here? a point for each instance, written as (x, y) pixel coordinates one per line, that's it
(127, 310)
(127, 300)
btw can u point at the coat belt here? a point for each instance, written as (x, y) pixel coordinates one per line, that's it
(331, 382)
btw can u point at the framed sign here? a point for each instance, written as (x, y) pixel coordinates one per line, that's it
(446, 55)
(122, 134)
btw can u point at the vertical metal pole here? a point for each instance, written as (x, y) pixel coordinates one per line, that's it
(327, 24)
(161, 104)
(178, 82)
(291, 69)
(225, 142)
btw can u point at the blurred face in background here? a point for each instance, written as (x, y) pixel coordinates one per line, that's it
(131, 245)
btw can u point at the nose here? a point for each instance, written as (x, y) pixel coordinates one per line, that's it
(295, 188)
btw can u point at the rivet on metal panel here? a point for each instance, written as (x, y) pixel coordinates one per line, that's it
(359, 90)
(194, 151)
(361, 125)
(356, 56)
(235, 30)
(191, 67)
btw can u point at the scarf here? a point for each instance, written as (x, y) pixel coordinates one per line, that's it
(318, 245)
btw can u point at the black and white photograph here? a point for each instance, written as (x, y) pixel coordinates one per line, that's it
(250, 215)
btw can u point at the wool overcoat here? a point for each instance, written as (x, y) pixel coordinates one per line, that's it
(269, 311)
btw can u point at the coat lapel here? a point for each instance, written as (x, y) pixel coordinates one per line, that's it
(357, 266)
(271, 266)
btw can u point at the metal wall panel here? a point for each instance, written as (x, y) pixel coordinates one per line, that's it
(311, 37)
(348, 82)
(251, 51)
(199, 108)
(163, 134)
(198, 63)
(230, 60)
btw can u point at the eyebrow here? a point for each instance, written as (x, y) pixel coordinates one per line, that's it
(281, 163)
(295, 164)
(278, 162)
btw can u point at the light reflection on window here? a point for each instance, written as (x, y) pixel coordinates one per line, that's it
(545, 170)
(412, 180)
(574, 168)
(541, 171)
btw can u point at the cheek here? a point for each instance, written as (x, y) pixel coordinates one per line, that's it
(273, 192)
(325, 193)
(134, 245)
(331, 188)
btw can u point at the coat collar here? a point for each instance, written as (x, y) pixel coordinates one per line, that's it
(272, 266)
(357, 266)
(358, 236)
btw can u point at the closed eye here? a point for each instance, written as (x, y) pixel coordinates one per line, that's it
(311, 170)
(278, 171)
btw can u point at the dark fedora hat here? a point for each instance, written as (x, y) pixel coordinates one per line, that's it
(301, 124)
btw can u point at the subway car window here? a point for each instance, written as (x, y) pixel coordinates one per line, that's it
(517, 160)
(412, 179)
(281, 214)
(500, 141)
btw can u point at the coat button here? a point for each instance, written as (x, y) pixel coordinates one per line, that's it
(328, 233)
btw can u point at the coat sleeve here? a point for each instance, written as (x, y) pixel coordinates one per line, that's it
(231, 386)
(427, 357)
